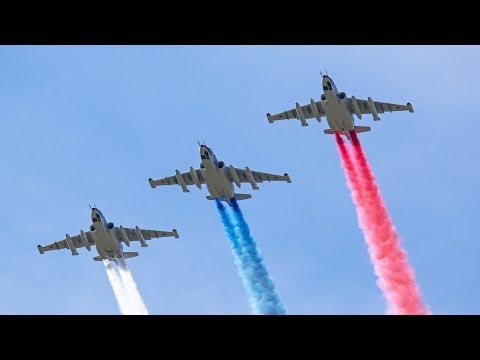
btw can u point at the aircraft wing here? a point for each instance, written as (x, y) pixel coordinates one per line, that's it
(62, 244)
(381, 107)
(173, 180)
(259, 177)
(147, 234)
(292, 113)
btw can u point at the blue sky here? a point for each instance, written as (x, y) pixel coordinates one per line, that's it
(90, 124)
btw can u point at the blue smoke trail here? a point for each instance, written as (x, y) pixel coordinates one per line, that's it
(256, 280)
(238, 254)
(269, 300)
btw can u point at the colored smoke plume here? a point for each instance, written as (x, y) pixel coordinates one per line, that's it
(395, 276)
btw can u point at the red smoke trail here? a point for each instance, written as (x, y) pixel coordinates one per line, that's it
(396, 278)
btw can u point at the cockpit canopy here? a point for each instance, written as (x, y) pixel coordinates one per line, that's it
(96, 215)
(327, 83)
(207, 153)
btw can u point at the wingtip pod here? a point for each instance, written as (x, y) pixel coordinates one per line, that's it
(288, 178)
(40, 249)
(175, 232)
(150, 181)
(410, 107)
(269, 117)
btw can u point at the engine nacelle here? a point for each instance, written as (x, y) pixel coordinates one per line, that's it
(110, 225)
(70, 245)
(234, 176)
(373, 110)
(139, 234)
(181, 182)
(85, 241)
(195, 178)
(300, 114)
(92, 228)
(356, 108)
(342, 95)
(250, 178)
(221, 164)
(124, 235)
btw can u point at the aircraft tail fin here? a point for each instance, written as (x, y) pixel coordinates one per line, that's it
(360, 129)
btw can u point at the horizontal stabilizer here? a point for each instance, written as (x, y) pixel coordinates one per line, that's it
(243, 196)
(126, 255)
(360, 129)
(237, 197)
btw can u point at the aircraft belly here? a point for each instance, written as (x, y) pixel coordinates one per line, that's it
(332, 119)
(103, 242)
(209, 176)
(331, 123)
(347, 117)
(112, 242)
(338, 118)
(218, 185)
(349, 124)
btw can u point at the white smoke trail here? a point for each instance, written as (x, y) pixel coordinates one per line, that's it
(138, 305)
(118, 289)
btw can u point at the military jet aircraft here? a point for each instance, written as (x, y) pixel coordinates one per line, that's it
(107, 238)
(338, 109)
(218, 178)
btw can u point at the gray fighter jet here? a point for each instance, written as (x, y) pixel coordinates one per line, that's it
(107, 238)
(218, 178)
(338, 109)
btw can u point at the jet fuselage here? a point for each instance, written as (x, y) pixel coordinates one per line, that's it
(337, 114)
(108, 246)
(215, 174)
